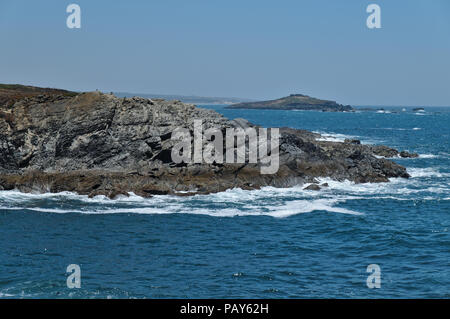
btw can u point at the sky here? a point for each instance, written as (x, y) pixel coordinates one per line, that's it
(256, 49)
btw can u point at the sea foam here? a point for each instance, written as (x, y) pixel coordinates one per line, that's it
(425, 183)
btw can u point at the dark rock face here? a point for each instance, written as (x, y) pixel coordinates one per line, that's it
(98, 144)
(352, 141)
(405, 154)
(387, 152)
(295, 102)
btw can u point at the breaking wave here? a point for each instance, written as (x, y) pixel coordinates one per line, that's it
(337, 137)
(269, 201)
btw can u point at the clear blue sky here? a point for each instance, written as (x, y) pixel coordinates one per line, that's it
(246, 48)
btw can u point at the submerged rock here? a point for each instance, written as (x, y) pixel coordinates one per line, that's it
(99, 144)
(313, 187)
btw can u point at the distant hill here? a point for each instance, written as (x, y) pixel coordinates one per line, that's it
(10, 93)
(186, 99)
(295, 102)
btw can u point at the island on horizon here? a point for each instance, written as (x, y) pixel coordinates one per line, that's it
(295, 102)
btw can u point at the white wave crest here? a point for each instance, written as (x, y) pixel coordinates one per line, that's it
(337, 137)
(425, 183)
(428, 156)
(426, 172)
(287, 209)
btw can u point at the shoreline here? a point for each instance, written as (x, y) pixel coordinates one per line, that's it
(98, 144)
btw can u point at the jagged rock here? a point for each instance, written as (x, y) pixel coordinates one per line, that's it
(352, 141)
(405, 154)
(99, 144)
(384, 151)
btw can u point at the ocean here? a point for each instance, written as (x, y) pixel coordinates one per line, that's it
(268, 243)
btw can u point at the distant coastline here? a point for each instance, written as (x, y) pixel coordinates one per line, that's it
(187, 98)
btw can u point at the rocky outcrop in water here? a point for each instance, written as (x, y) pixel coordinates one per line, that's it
(99, 144)
(295, 102)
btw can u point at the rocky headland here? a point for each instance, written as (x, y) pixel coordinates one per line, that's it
(98, 144)
(295, 102)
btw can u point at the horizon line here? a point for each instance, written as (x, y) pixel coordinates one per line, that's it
(219, 97)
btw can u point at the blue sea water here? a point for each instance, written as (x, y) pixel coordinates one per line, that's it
(269, 243)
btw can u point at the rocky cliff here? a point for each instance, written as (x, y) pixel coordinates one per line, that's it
(295, 102)
(95, 143)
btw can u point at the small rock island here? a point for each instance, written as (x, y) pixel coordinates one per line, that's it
(295, 102)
